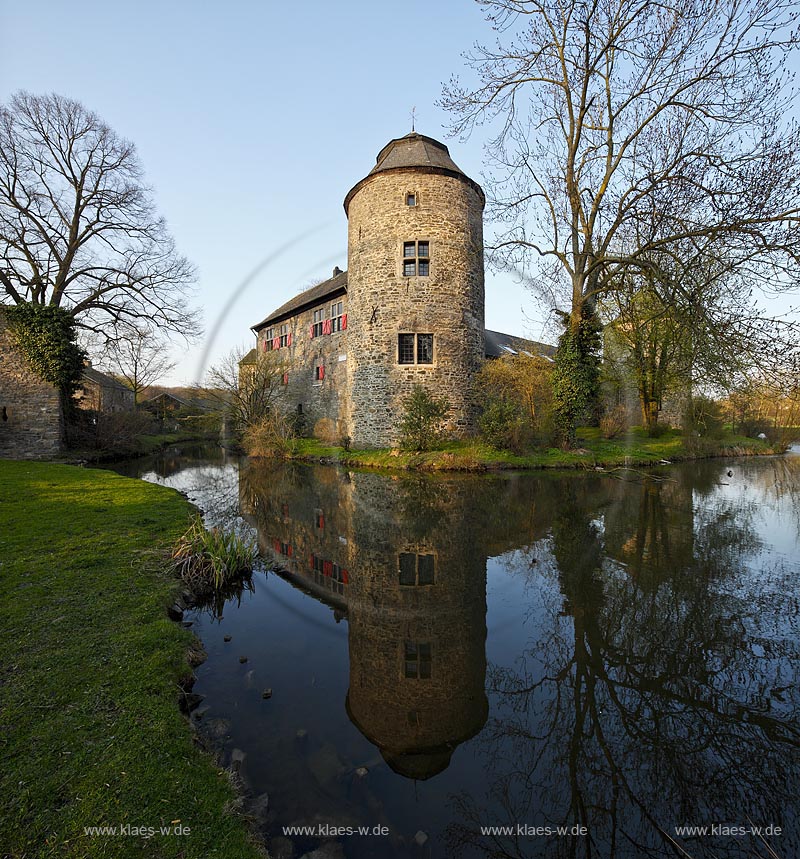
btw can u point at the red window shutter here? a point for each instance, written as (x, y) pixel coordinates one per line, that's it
(289, 550)
(344, 321)
(289, 339)
(326, 326)
(321, 372)
(311, 562)
(345, 576)
(285, 378)
(276, 342)
(311, 332)
(265, 345)
(327, 568)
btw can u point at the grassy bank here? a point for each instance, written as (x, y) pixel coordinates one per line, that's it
(90, 732)
(633, 449)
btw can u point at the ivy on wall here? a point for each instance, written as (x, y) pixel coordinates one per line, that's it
(46, 336)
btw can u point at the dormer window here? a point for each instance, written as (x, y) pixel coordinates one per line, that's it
(416, 259)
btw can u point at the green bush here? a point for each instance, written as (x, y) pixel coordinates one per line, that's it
(614, 422)
(502, 425)
(703, 417)
(421, 425)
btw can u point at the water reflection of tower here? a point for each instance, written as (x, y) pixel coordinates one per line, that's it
(398, 558)
(417, 614)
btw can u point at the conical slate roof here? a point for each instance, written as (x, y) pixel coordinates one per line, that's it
(414, 152)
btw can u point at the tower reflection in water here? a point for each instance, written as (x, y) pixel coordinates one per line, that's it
(400, 559)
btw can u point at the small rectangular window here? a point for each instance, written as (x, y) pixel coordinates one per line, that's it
(425, 567)
(408, 569)
(415, 349)
(319, 319)
(417, 659)
(284, 336)
(416, 259)
(269, 334)
(337, 313)
(411, 199)
(405, 349)
(424, 348)
(416, 569)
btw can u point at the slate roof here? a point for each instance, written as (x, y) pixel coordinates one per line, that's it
(103, 380)
(499, 344)
(415, 152)
(167, 396)
(336, 284)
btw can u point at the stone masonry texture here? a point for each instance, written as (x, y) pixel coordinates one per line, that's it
(31, 425)
(359, 392)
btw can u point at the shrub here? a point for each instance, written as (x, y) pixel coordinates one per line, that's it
(614, 422)
(114, 433)
(420, 427)
(207, 560)
(703, 417)
(271, 435)
(657, 430)
(753, 427)
(502, 425)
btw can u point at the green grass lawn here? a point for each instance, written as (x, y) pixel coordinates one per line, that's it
(634, 448)
(90, 732)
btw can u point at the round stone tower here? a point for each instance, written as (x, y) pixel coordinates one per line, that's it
(415, 289)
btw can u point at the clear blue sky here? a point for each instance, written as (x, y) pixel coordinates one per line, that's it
(253, 120)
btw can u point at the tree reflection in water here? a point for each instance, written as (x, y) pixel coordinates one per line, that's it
(656, 685)
(665, 692)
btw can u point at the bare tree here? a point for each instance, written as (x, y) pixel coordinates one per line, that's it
(607, 115)
(140, 358)
(78, 228)
(247, 386)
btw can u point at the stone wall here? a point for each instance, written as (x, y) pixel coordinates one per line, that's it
(448, 302)
(31, 422)
(322, 401)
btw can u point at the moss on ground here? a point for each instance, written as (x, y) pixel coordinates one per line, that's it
(90, 732)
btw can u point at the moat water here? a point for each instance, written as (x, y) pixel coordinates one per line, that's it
(614, 654)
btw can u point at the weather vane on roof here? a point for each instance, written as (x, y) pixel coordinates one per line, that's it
(413, 119)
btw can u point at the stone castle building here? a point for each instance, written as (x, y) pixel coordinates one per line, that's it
(409, 309)
(31, 421)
